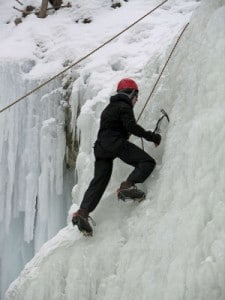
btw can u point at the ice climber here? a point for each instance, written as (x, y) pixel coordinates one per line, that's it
(116, 124)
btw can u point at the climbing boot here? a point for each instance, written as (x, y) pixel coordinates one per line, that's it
(80, 219)
(128, 190)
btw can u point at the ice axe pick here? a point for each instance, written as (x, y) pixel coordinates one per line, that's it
(157, 127)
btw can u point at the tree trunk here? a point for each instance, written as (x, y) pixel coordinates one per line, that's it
(44, 6)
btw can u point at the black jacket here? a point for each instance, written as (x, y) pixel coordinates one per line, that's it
(117, 123)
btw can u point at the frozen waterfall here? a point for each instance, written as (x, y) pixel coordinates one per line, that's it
(171, 246)
(33, 200)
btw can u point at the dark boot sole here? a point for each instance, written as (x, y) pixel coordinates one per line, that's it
(122, 196)
(85, 233)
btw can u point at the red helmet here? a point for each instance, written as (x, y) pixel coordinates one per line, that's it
(127, 83)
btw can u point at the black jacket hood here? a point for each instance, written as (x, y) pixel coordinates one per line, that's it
(121, 97)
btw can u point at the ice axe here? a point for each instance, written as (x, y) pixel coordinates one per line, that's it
(157, 127)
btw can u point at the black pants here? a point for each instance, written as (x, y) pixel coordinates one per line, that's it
(143, 166)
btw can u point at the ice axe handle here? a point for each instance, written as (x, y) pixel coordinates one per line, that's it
(157, 127)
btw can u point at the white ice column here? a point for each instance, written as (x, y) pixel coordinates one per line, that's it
(32, 150)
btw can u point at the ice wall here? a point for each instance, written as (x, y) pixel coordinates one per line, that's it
(171, 246)
(33, 200)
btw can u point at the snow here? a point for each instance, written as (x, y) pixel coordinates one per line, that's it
(172, 245)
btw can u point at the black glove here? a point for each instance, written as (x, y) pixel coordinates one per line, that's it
(153, 137)
(157, 138)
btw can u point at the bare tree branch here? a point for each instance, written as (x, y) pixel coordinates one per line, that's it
(63, 6)
(20, 10)
(19, 2)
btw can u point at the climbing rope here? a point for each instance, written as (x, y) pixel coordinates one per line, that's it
(159, 77)
(81, 59)
(163, 69)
